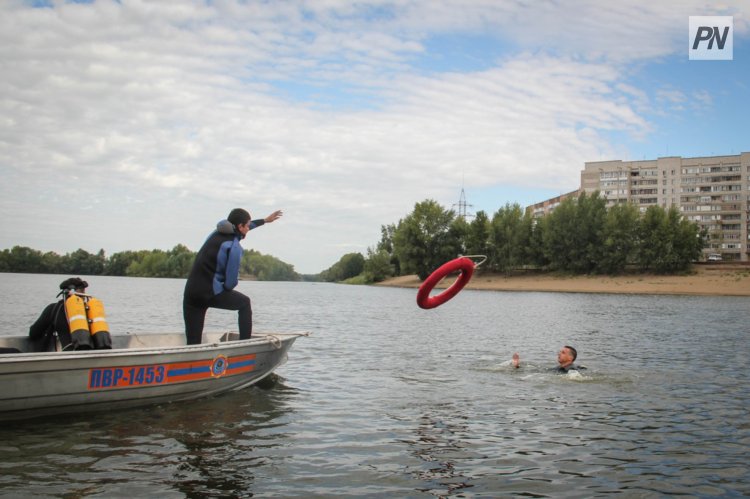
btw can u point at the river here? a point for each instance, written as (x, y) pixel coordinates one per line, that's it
(385, 399)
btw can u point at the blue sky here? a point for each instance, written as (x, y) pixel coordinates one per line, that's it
(138, 125)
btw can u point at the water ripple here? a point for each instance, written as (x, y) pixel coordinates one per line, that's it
(388, 400)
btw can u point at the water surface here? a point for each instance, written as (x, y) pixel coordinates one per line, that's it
(388, 400)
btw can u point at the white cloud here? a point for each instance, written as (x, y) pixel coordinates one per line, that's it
(160, 117)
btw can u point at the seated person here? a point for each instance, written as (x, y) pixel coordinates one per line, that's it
(565, 360)
(74, 309)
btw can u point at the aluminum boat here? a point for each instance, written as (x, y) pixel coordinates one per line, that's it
(140, 369)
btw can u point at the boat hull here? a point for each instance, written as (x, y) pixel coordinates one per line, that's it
(141, 370)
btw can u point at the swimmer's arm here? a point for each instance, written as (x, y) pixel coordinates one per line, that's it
(515, 361)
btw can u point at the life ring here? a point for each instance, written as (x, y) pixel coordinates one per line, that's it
(463, 264)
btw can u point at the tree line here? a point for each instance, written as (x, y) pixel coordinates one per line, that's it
(580, 236)
(176, 263)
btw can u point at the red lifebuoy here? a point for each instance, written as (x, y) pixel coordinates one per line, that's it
(465, 265)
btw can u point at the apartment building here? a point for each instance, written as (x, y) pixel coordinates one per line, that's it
(545, 207)
(711, 191)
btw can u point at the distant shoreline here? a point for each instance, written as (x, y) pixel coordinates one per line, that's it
(703, 280)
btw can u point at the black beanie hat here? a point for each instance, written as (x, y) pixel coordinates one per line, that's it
(74, 283)
(238, 216)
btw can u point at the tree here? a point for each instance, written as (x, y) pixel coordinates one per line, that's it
(656, 239)
(573, 235)
(478, 235)
(23, 259)
(266, 267)
(689, 239)
(378, 266)
(620, 238)
(534, 228)
(386, 244)
(559, 240)
(83, 262)
(669, 243)
(426, 238)
(5, 261)
(51, 263)
(118, 263)
(350, 265)
(150, 264)
(176, 263)
(179, 261)
(506, 237)
(590, 216)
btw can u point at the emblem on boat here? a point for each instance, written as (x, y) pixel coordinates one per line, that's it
(219, 366)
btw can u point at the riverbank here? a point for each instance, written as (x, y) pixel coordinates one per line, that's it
(707, 280)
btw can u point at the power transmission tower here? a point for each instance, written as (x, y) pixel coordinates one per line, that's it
(462, 205)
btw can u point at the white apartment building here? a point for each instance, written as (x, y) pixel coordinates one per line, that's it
(712, 191)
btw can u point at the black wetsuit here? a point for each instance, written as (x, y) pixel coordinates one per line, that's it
(212, 280)
(52, 319)
(566, 370)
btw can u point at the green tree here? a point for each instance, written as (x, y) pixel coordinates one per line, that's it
(179, 262)
(266, 267)
(689, 239)
(478, 237)
(573, 235)
(350, 265)
(5, 261)
(669, 243)
(378, 266)
(175, 263)
(559, 229)
(655, 249)
(119, 262)
(534, 254)
(150, 264)
(426, 238)
(620, 236)
(386, 244)
(83, 263)
(52, 263)
(507, 238)
(591, 216)
(23, 259)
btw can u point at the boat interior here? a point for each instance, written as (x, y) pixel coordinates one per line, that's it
(22, 344)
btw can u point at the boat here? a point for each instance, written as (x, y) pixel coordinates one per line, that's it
(139, 370)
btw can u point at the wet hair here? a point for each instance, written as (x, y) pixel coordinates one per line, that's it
(573, 351)
(74, 283)
(238, 216)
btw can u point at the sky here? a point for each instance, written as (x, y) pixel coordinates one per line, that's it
(135, 124)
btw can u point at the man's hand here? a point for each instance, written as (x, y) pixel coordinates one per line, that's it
(273, 216)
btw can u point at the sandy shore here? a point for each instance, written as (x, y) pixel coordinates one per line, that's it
(718, 280)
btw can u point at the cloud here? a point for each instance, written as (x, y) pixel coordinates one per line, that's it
(160, 117)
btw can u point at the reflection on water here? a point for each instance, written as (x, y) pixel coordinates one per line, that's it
(439, 445)
(201, 448)
(389, 400)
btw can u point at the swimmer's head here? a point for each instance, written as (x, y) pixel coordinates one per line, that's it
(573, 351)
(566, 356)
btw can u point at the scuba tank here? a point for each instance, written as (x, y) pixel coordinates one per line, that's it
(75, 313)
(85, 316)
(97, 323)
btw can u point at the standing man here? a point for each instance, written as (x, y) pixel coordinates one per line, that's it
(215, 274)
